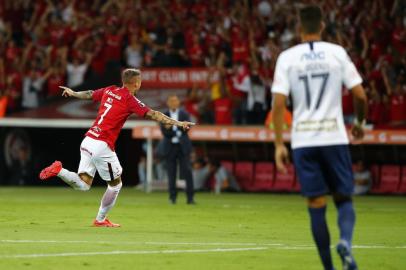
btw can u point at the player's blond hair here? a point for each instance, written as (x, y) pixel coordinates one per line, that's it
(129, 73)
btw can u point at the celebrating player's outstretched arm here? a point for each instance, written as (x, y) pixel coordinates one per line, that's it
(67, 92)
(165, 120)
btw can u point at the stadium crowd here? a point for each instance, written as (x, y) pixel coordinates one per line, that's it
(46, 43)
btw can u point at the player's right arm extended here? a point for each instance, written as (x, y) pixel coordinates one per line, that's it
(361, 103)
(361, 110)
(281, 152)
(67, 92)
(165, 120)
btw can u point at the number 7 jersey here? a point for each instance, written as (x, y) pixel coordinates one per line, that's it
(116, 105)
(314, 73)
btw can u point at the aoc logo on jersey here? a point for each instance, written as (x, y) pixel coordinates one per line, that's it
(313, 56)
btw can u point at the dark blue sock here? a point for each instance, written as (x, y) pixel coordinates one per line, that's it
(346, 220)
(321, 235)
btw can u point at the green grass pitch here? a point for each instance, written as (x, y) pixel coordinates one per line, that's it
(49, 228)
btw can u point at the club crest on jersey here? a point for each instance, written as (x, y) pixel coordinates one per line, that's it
(313, 56)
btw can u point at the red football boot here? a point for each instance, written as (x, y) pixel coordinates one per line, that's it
(51, 171)
(105, 223)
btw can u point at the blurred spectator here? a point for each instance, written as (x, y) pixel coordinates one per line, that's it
(376, 110)
(3, 104)
(223, 109)
(396, 95)
(223, 102)
(76, 71)
(13, 93)
(241, 85)
(33, 86)
(243, 37)
(205, 169)
(191, 104)
(133, 53)
(264, 8)
(56, 79)
(142, 171)
(195, 51)
(362, 178)
(256, 106)
(224, 180)
(201, 174)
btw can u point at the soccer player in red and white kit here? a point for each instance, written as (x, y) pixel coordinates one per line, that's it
(97, 148)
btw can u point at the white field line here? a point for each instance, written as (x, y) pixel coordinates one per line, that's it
(134, 252)
(268, 245)
(142, 243)
(173, 251)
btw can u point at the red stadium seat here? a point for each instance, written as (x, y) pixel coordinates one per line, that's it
(389, 179)
(264, 176)
(284, 182)
(228, 165)
(402, 186)
(244, 173)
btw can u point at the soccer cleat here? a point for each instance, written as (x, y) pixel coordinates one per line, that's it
(105, 223)
(347, 259)
(51, 171)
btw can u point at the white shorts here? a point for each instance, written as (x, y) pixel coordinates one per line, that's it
(97, 155)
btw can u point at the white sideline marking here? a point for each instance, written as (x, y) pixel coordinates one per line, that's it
(142, 243)
(212, 244)
(270, 245)
(136, 252)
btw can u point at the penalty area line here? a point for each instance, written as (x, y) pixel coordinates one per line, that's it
(133, 252)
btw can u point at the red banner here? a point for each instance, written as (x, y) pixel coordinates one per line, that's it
(175, 78)
(260, 134)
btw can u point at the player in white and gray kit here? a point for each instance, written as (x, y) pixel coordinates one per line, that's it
(313, 73)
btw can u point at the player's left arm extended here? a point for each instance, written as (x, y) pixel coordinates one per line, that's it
(165, 120)
(67, 92)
